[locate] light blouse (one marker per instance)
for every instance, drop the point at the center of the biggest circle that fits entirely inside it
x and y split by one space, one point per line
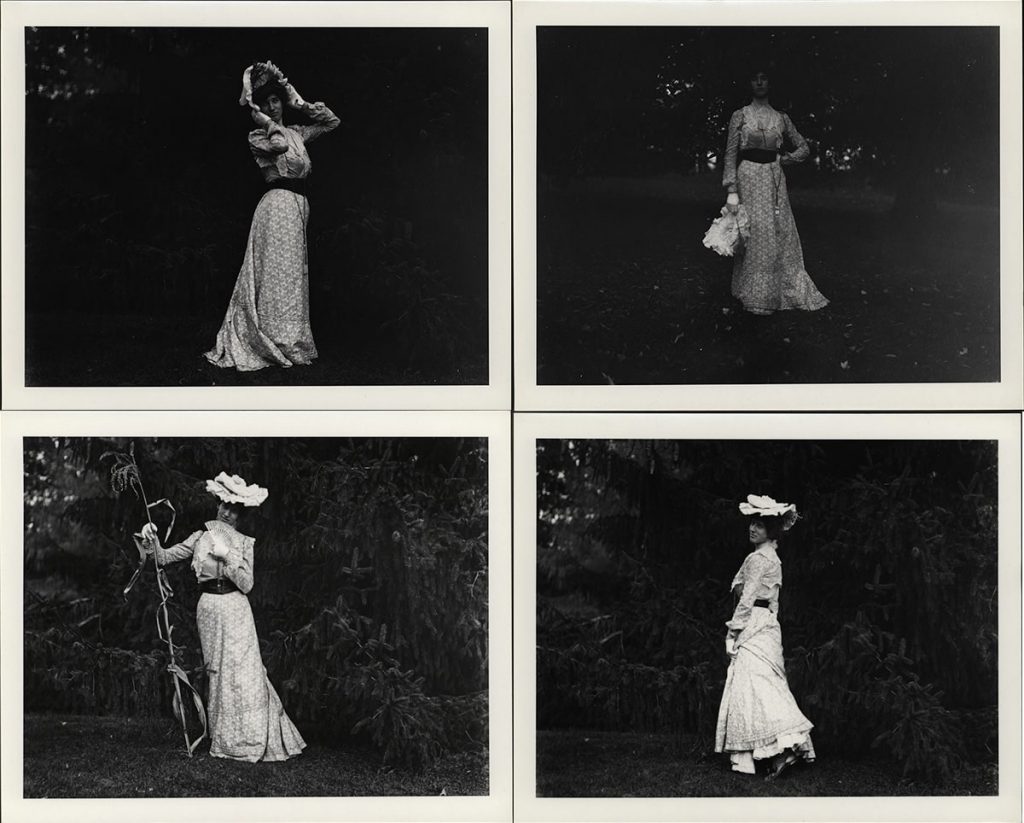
280 151
759 578
753 127
236 567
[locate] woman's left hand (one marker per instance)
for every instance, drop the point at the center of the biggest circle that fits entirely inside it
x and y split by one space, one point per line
294 98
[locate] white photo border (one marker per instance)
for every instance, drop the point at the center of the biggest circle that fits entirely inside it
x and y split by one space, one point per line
1008 394
492 425
1006 428
492 14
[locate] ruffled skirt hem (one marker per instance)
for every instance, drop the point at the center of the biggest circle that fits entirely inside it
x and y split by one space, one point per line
799 743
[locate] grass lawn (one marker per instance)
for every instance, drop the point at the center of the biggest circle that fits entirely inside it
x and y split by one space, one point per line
627 294
79 756
581 763
97 350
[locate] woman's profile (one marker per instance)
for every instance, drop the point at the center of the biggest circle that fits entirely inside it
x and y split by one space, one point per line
758 718
769 274
267 320
245 715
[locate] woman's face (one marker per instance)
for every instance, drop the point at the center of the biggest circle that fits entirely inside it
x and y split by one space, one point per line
759 85
757 532
273 107
227 514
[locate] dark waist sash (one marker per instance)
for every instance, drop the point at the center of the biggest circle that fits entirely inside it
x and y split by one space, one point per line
764 604
759 155
289 184
220 585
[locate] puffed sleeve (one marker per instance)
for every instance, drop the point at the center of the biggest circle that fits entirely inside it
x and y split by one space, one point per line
732 150
238 566
324 120
801 150
179 551
268 142
754 567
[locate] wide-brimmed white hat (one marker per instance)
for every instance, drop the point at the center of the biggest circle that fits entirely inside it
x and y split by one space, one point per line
233 489
260 74
760 505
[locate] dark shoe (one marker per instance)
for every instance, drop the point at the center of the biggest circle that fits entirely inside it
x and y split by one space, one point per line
780 765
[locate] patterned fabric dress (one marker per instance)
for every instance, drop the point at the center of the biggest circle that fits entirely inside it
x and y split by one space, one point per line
769 274
267 321
758 717
246 718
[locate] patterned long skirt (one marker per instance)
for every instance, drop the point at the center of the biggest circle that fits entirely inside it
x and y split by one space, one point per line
245 715
769 274
758 717
267 321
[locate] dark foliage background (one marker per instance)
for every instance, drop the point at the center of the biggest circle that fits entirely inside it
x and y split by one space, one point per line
140 188
371 583
889 605
616 100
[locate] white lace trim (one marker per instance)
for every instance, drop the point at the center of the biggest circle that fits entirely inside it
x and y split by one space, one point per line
800 743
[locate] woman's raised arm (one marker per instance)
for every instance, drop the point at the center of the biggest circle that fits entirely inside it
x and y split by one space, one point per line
324 120
179 551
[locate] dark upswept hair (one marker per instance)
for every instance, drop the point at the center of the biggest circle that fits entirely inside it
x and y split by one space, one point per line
260 95
238 508
749 69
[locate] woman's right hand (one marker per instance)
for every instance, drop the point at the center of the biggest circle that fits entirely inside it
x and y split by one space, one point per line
261 119
732 202
150 541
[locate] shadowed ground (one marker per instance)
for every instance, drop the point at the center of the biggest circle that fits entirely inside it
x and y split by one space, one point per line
628 295
581 763
84 350
78 756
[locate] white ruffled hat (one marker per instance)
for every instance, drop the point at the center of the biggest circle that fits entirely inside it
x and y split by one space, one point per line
760 505
233 489
258 75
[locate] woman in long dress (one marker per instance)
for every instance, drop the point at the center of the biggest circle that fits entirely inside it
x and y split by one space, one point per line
246 719
267 321
769 274
759 718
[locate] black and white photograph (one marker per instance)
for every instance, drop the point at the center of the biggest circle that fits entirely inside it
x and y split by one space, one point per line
259 616
766 205
772 617
196 605
261 205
